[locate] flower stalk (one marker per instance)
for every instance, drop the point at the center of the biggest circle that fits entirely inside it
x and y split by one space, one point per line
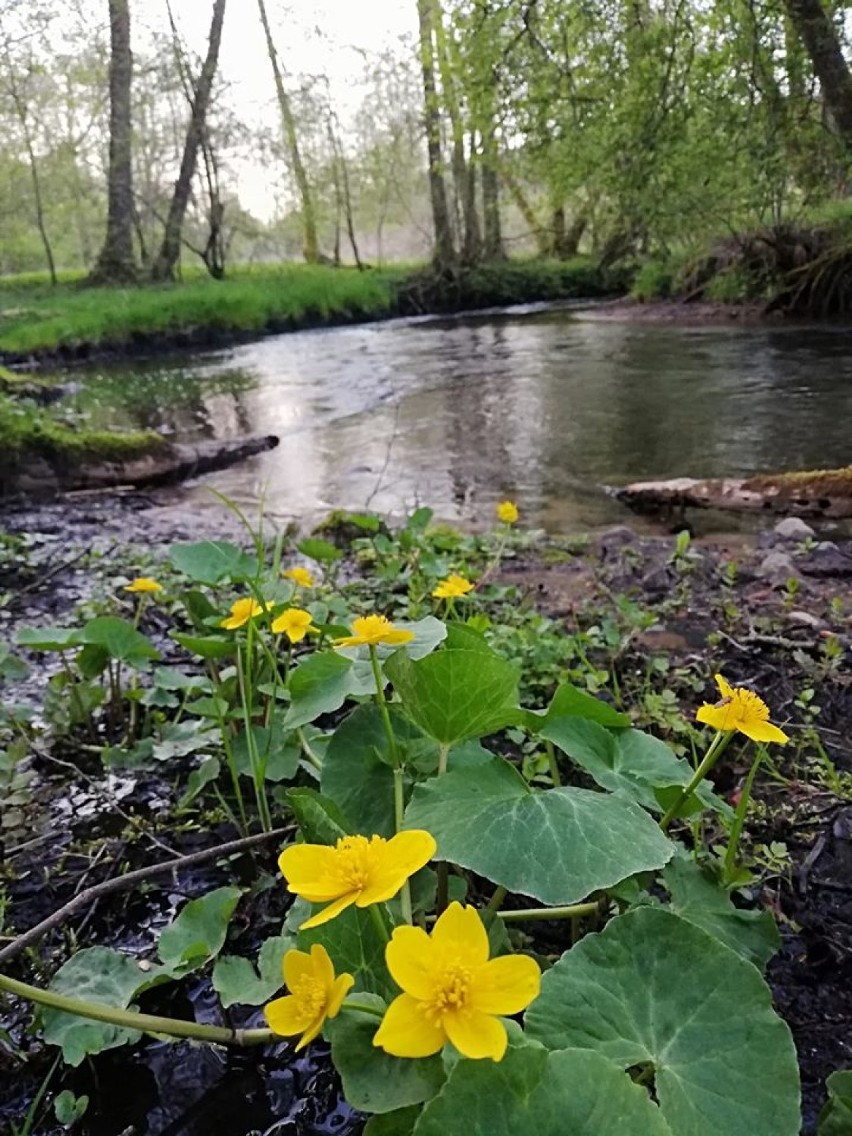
715 751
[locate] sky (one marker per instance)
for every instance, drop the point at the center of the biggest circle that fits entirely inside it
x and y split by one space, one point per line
311 38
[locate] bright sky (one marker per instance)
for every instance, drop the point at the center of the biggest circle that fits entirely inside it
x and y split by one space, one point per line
312 38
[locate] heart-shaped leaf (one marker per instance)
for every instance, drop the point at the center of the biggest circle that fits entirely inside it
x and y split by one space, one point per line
210 561
558 846
198 933
656 991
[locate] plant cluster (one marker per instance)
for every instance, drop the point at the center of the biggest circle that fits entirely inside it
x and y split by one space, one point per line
426 859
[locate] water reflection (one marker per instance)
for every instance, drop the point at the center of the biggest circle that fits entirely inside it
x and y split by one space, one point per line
544 406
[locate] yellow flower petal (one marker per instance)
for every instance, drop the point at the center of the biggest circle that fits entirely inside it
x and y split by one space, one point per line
288 1015
300 576
143 584
460 933
408 956
296 966
764 732
340 988
403 855
743 710
397 637
716 716
312 870
407 1032
506 985
507 512
294 623
329 912
725 688
311 1032
476 1035
323 967
371 630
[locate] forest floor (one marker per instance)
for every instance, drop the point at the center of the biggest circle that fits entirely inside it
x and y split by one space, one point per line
658 617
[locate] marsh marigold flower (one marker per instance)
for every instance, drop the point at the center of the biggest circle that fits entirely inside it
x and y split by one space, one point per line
143 584
507 512
315 995
451 990
294 623
370 630
241 612
300 576
357 870
452 587
742 710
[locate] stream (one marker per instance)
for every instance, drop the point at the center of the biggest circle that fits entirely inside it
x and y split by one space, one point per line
542 404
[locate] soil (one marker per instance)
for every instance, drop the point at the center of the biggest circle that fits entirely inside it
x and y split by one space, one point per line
87 826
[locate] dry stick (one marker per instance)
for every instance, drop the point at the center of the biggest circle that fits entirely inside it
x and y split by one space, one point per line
119 883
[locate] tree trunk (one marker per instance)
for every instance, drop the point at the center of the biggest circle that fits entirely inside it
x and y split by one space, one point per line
167 258
464 176
116 264
491 198
444 253
309 217
542 236
817 32
38 201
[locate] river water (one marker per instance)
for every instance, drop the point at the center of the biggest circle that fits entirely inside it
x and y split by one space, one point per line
546 406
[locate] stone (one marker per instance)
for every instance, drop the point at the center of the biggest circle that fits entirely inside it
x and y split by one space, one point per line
805 619
793 529
776 566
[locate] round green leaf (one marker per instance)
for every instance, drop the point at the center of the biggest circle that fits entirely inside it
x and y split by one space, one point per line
209 561
572 1093
121 639
558 846
653 988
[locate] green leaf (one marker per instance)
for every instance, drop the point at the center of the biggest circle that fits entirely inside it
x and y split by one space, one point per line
69 1108
322 683
558 846
319 818
237 982
571 701
121 639
210 561
653 988
699 899
399 1123
92 660
323 551
429 633
96 974
572 1093
206 646
276 753
49 638
629 760
354 943
356 772
455 694
199 608
205 774
177 739
198 933
373 1081
836 1118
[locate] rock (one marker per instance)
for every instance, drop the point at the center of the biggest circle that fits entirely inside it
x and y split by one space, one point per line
827 560
777 566
658 581
793 529
613 540
805 619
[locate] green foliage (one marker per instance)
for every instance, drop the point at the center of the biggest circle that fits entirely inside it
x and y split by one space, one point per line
654 280
836 1118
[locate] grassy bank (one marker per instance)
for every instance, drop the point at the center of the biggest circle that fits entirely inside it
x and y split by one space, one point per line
70 321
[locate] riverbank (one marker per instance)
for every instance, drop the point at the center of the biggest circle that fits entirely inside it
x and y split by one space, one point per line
40 324
643 620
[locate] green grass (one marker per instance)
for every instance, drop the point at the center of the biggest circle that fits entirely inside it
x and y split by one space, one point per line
37 319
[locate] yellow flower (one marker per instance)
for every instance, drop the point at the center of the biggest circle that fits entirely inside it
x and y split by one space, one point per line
242 611
740 709
315 995
356 870
294 623
507 512
452 992
300 576
370 630
143 584
452 587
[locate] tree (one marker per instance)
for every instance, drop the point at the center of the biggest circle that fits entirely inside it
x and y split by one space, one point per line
444 253
309 218
817 32
167 258
116 264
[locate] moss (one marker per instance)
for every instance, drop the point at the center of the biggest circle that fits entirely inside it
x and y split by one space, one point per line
808 483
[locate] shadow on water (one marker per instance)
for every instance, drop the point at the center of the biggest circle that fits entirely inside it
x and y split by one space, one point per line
543 405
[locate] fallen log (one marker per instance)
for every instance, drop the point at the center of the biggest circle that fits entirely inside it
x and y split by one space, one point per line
46 474
824 493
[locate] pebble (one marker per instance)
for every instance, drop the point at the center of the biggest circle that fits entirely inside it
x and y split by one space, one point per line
776 566
793 529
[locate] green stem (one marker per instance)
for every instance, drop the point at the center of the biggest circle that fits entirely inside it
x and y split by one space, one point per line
379 922
147 1023
717 747
740 816
531 914
553 763
382 704
398 785
442 895
496 901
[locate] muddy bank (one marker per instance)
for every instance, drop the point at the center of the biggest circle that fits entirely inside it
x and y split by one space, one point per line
662 617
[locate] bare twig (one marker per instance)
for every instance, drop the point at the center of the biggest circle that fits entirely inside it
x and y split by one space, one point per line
120 883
